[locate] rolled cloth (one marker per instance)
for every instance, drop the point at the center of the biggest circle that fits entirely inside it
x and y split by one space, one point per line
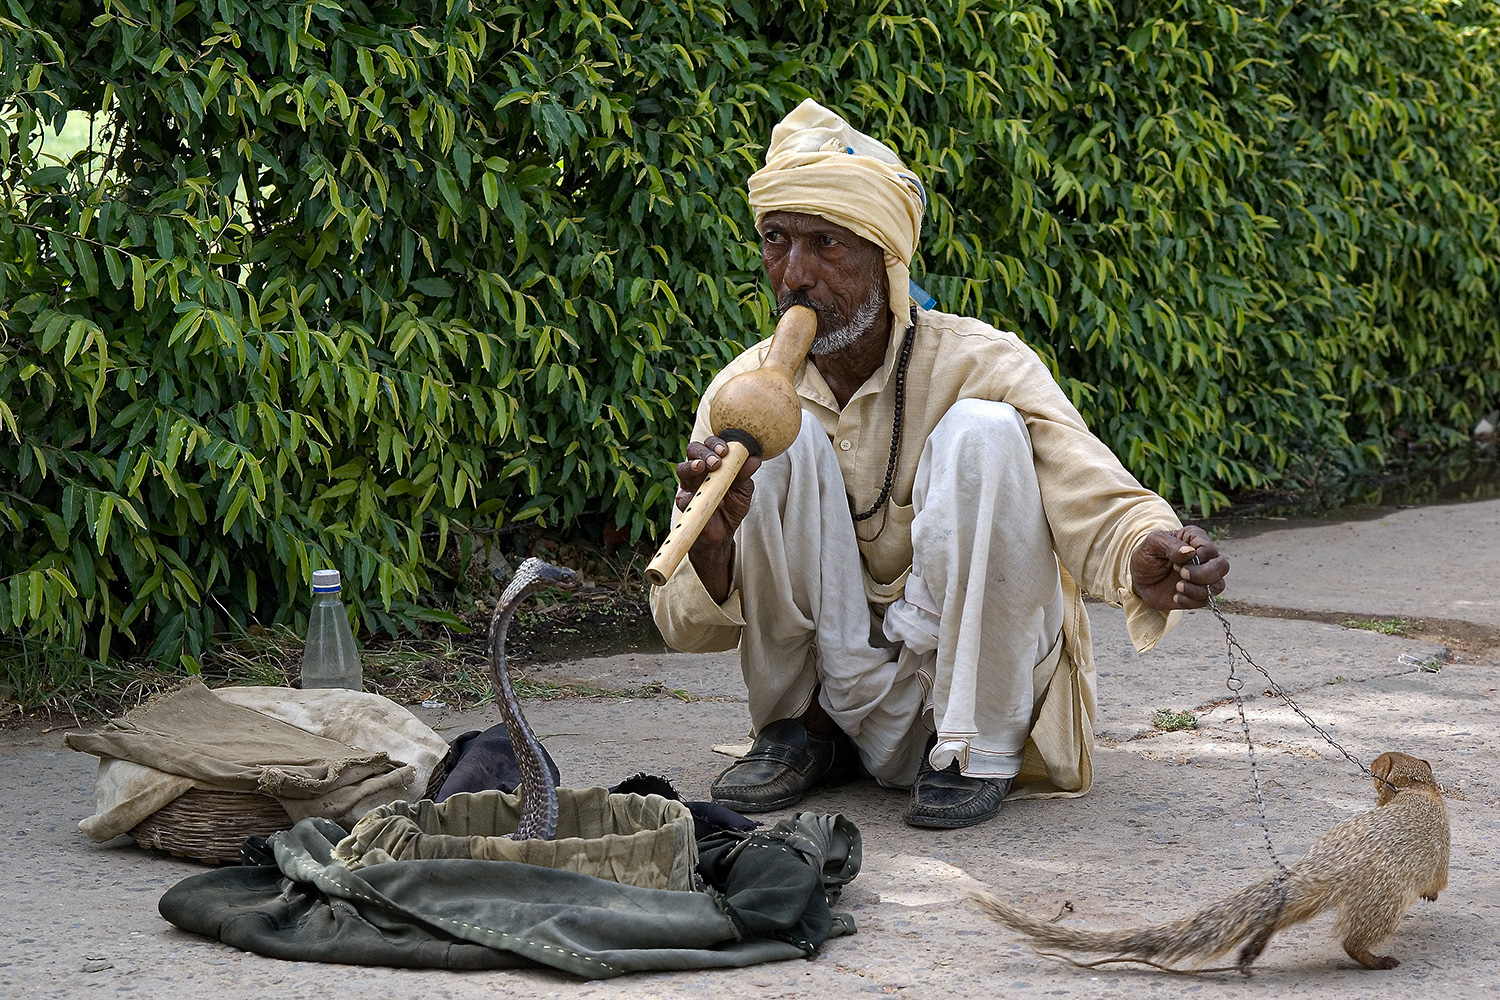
818 164
329 753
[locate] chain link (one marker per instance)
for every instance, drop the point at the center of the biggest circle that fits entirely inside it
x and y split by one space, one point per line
1278 691
1236 686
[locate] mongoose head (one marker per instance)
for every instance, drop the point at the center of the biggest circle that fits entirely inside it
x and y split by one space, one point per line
1394 771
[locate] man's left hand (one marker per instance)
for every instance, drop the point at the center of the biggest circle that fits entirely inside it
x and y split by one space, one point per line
1165 573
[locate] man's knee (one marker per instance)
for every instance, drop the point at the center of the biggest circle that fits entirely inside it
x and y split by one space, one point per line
981 427
978 466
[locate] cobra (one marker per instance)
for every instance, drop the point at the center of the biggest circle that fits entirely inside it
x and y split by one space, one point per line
538 791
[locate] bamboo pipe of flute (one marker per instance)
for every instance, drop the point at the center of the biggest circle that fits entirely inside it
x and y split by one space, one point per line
757 413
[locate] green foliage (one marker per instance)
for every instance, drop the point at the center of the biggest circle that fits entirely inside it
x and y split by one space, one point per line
1169 721
1385 626
1249 237
333 282
350 283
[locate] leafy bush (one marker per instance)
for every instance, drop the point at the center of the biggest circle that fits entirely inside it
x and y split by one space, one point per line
330 282
362 283
1248 239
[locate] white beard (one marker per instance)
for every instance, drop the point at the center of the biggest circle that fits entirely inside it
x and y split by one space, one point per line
859 324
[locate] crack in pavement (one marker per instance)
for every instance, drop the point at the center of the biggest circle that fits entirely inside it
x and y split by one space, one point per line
1471 640
1269 695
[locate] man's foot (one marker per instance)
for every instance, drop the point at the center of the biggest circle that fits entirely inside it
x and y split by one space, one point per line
783 764
949 799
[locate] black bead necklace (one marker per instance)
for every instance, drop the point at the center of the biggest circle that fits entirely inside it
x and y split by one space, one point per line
890 468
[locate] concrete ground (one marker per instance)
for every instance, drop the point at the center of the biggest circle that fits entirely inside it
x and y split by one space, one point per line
1169 826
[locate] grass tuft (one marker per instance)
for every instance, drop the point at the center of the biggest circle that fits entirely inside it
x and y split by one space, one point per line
1385 626
1169 721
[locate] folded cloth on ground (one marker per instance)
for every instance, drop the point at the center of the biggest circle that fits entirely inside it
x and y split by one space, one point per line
644 840
768 901
354 718
253 740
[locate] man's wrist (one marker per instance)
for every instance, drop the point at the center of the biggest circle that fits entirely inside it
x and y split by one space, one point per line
714 564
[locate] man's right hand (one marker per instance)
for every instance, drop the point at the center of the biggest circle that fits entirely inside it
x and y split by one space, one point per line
713 553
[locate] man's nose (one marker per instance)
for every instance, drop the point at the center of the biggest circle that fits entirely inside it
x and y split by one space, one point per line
801 272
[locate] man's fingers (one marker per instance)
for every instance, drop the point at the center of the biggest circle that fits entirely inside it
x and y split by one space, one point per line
701 460
703 457
1193 535
1192 544
1161 548
1192 595
714 450
689 474
1205 573
1182 555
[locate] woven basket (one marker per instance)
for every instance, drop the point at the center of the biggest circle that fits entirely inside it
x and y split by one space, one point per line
210 826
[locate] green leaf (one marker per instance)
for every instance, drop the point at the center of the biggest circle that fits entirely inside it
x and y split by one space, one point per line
510 203
138 282
102 523
115 265
47 177
435 287
88 270
165 245
83 569
449 188
77 331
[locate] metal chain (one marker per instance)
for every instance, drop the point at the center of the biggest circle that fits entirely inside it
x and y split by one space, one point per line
1278 691
1236 686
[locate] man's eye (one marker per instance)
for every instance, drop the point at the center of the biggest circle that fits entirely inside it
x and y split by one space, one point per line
770 236
827 241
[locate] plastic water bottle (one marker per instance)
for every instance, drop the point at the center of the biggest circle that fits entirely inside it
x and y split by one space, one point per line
330 659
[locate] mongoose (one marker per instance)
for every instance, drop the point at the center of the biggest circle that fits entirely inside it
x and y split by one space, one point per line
1371 867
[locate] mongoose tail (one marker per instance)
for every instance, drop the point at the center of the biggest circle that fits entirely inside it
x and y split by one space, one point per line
1371 867
1236 920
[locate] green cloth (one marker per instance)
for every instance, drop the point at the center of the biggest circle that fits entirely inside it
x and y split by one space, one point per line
643 840
765 899
192 733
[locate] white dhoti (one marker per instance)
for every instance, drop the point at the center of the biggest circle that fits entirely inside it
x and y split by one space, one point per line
974 640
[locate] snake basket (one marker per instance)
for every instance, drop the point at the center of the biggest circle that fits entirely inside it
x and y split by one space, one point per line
641 840
210 826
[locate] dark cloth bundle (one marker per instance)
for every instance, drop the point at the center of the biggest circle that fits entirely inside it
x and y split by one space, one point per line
767 898
479 760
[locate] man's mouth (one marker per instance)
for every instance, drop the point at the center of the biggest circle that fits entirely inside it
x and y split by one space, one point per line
828 316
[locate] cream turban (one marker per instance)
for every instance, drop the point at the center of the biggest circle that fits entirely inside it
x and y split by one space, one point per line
818 164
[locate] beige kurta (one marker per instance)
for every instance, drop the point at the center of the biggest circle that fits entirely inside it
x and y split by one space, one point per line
1098 513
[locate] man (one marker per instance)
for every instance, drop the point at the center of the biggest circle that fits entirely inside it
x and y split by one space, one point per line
905 582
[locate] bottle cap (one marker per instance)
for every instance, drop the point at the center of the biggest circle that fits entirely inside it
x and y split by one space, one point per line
326 581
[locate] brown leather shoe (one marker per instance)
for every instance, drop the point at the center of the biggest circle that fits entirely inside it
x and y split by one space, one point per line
783 764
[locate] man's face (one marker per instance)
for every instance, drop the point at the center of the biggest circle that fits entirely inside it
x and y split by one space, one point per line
817 263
